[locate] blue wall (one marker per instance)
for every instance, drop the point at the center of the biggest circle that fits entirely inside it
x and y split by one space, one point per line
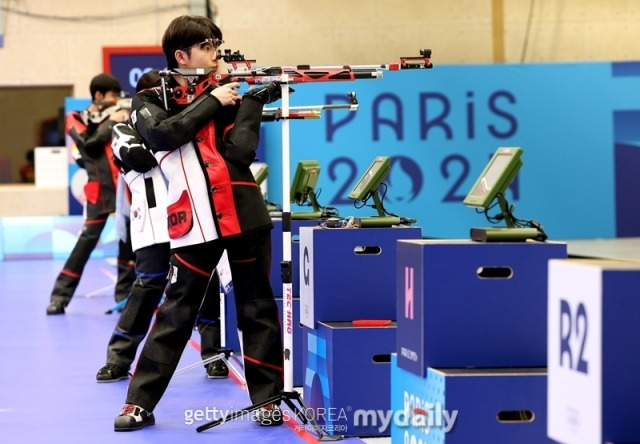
578 124
50 237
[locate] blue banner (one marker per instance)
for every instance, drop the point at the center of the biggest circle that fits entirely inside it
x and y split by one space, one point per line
440 127
77 175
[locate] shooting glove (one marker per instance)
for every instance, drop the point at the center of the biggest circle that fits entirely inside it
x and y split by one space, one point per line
266 94
128 147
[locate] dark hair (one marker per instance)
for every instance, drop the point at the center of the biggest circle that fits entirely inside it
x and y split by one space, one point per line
185 31
148 80
104 83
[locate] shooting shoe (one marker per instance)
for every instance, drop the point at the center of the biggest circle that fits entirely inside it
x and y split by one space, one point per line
56 307
217 370
133 417
269 415
111 373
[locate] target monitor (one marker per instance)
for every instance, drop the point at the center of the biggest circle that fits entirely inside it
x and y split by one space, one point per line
371 180
495 178
304 181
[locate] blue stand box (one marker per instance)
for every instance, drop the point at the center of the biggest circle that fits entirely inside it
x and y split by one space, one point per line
276 255
348 274
471 304
463 406
347 377
233 342
594 351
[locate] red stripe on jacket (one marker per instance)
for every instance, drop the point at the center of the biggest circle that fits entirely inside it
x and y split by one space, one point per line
220 181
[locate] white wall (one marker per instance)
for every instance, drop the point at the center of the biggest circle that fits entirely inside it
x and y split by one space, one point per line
60 42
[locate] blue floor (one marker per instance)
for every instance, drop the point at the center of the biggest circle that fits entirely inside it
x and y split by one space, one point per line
48 391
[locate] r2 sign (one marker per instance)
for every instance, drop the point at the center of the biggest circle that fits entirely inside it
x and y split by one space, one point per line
573 336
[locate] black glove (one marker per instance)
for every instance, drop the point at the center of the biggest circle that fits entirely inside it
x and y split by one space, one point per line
128 147
266 94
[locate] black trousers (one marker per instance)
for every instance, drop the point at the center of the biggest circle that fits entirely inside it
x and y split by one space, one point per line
69 277
152 268
256 310
126 266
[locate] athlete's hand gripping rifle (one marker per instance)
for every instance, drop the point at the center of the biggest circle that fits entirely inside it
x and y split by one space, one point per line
243 70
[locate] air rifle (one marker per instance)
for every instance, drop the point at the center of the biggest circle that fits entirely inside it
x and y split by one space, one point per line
105 109
244 70
307 73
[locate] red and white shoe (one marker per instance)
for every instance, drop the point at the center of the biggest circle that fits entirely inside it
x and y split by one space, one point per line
133 417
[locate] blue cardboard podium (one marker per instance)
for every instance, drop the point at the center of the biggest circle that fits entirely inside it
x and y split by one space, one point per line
594 351
462 406
470 304
348 273
347 377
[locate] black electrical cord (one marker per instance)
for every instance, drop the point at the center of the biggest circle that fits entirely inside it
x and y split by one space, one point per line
403 220
521 223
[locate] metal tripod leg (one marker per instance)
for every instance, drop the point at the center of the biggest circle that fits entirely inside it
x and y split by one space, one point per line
222 356
301 411
119 306
225 353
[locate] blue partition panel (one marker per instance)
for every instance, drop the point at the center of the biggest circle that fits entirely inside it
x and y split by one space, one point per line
442 125
51 237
